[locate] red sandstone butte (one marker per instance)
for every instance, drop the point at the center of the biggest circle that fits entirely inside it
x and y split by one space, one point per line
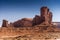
44 18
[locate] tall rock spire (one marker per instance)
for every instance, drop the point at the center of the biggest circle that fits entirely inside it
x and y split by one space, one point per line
46 15
5 23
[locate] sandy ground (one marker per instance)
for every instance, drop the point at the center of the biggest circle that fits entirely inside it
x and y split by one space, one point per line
38 36
30 33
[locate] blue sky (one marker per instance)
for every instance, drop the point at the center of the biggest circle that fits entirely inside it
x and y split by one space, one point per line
13 10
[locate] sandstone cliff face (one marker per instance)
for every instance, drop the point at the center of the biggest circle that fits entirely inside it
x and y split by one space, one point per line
45 18
25 22
50 17
36 20
5 23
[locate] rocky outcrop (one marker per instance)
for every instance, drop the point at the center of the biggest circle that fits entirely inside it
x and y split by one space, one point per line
45 19
50 17
38 28
36 20
47 15
25 22
5 23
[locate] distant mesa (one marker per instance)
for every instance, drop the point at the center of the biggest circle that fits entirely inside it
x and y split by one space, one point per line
45 18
